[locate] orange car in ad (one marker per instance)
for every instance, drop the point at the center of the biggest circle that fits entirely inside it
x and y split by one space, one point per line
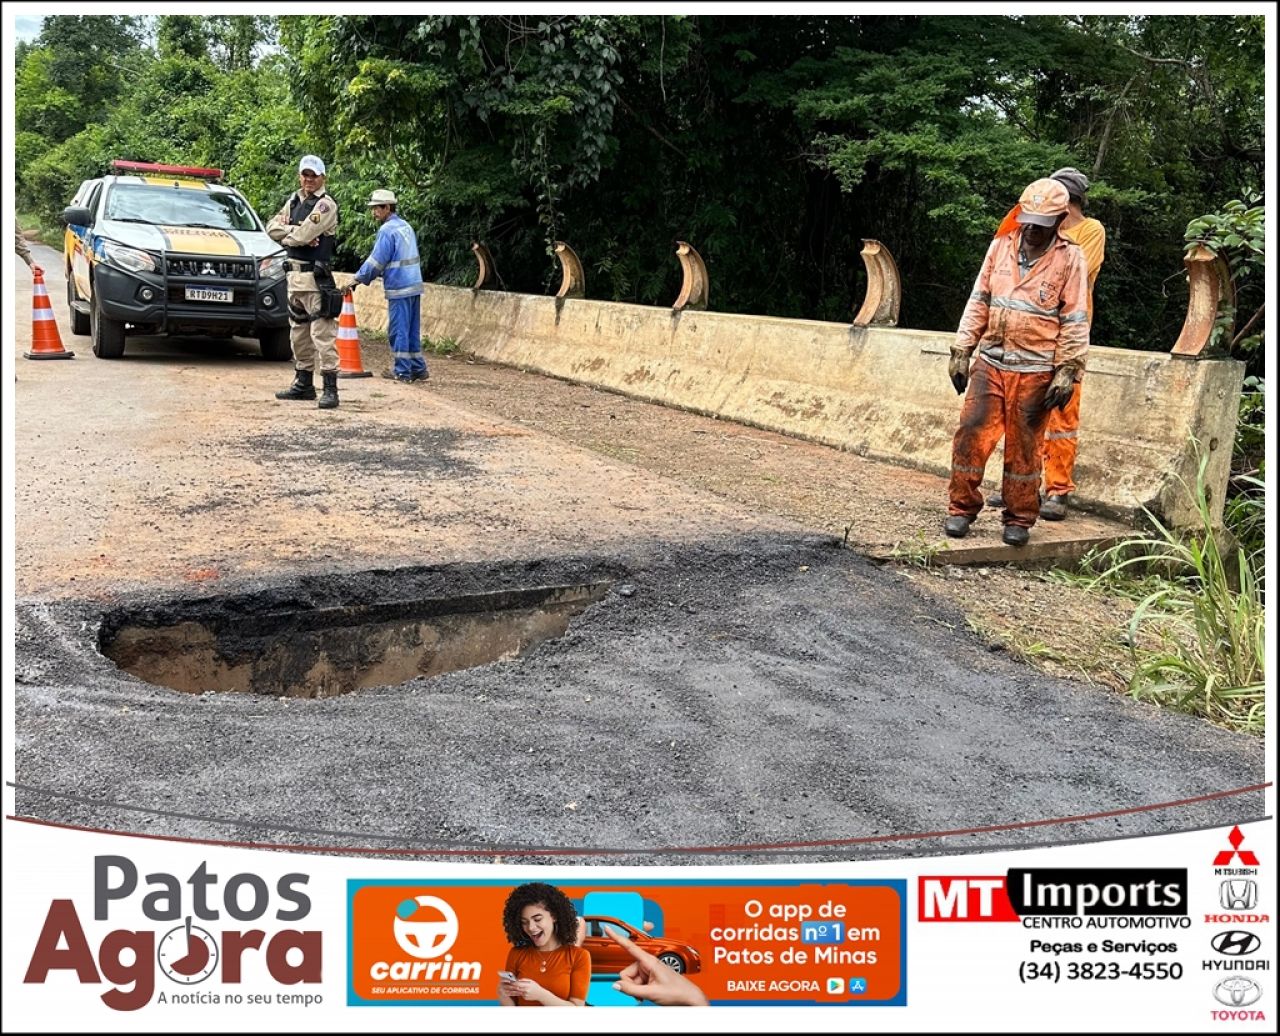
608 958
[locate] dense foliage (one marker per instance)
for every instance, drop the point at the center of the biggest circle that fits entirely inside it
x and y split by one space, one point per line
774 144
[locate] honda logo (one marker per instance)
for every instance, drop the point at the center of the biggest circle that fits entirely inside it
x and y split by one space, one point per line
1236 943
1238 894
1237 992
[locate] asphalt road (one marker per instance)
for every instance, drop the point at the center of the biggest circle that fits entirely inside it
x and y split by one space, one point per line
744 691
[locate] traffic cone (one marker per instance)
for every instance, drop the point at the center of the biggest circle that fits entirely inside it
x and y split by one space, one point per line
350 365
46 343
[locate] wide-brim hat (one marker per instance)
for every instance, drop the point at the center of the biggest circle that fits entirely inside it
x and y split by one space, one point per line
381 197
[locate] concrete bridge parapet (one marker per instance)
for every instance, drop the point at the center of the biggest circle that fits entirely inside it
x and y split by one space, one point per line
881 392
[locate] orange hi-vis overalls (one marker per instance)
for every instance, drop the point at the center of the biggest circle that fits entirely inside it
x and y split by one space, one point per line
1062 432
1024 326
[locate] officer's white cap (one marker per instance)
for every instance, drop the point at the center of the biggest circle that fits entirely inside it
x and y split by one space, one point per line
316 165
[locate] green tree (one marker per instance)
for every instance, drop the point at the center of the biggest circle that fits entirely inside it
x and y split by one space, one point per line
237 40
91 57
182 35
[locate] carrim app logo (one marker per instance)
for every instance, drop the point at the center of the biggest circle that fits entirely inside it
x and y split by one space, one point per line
425 927
432 933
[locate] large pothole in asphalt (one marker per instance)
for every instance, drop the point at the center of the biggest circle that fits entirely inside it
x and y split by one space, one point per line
317 652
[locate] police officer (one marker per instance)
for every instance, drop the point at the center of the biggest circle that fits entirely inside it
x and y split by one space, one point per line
305 226
24 250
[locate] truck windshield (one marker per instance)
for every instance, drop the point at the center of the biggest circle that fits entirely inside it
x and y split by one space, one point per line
179 206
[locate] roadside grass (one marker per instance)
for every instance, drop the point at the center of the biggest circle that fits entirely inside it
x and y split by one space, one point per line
1100 664
1202 601
441 346
45 235
433 346
918 551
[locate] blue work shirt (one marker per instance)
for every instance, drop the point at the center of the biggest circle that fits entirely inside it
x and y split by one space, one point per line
395 259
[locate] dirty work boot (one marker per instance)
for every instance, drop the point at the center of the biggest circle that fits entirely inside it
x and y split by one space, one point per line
329 397
995 500
1016 535
302 388
1054 508
957 526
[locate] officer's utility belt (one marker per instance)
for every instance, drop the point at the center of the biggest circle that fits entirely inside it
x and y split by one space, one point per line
330 294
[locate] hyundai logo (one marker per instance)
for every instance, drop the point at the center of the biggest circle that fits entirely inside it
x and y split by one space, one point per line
1236 944
1238 894
1237 992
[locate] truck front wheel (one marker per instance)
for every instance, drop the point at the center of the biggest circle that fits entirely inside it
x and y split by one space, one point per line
106 334
274 342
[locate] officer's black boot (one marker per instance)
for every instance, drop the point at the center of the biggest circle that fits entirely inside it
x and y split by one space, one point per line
303 387
329 397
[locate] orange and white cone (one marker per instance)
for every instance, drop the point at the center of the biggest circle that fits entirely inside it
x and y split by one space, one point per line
46 343
350 365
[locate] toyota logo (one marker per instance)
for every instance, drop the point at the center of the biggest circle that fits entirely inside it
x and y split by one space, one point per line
1236 944
1237 992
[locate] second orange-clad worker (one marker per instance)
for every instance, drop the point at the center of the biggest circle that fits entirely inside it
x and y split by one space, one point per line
1061 434
1027 319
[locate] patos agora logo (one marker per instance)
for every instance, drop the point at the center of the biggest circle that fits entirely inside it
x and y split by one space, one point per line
238 937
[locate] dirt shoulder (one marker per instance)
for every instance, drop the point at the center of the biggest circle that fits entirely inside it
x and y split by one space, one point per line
1062 629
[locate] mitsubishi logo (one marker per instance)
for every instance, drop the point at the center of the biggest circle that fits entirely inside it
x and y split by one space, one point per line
1236 943
207 270
1238 894
1247 858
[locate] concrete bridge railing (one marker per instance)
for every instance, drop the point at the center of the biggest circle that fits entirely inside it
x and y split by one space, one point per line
879 391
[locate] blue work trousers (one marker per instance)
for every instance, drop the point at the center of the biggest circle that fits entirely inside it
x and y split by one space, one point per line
403 325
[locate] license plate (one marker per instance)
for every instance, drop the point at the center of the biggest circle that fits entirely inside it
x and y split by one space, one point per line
195 294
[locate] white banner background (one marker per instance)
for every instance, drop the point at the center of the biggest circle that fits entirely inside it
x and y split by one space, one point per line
962 977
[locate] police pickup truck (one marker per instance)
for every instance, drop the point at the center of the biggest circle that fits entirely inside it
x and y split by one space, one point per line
162 249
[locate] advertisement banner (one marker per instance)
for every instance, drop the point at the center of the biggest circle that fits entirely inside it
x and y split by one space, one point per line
742 942
1171 933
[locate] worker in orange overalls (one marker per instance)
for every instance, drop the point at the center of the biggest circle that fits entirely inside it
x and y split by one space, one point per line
1028 319
1061 434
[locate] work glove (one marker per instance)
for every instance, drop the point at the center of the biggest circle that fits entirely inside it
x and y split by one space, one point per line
1060 388
958 371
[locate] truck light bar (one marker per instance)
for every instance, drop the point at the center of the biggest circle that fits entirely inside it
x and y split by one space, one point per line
153 167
